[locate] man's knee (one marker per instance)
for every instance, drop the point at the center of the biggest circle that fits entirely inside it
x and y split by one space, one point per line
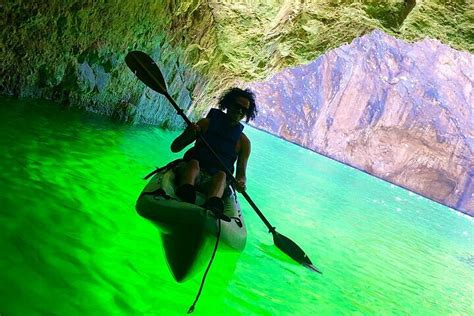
193 164
220 176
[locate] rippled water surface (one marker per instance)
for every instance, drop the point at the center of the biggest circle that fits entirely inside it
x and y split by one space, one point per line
72 243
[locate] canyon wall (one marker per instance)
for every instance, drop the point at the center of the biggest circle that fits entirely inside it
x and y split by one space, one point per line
402 112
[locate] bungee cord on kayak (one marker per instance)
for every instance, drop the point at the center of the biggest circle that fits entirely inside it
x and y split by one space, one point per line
192 307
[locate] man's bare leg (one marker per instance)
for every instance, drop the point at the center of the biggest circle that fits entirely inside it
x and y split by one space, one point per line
214 195
186 190
189 173
217 185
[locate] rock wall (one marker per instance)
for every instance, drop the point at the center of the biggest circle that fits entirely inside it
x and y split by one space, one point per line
402 112
73 52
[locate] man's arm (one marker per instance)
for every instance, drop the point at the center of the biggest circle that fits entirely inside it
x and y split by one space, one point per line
243 157
189 135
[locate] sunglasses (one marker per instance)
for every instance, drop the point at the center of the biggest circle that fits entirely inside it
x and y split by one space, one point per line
240 108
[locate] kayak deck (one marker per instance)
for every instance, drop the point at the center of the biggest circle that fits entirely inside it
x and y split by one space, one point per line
189 231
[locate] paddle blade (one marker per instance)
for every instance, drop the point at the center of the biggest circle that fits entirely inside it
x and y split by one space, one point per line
293 250
146 70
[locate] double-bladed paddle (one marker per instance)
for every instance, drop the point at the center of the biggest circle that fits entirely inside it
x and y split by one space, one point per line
150 74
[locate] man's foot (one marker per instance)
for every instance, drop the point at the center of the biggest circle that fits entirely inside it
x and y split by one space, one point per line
187 193
216 205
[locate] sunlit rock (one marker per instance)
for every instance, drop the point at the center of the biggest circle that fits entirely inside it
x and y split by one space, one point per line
402 112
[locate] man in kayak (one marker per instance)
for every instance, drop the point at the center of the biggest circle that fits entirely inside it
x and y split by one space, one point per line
223 132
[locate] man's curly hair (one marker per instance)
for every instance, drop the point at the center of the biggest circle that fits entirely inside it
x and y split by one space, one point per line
229 97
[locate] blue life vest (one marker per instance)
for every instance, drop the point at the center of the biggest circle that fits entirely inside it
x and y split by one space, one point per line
223 138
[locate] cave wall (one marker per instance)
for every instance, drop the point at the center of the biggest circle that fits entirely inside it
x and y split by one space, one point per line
73 51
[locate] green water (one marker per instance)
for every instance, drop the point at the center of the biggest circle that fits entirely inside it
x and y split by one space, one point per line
72 243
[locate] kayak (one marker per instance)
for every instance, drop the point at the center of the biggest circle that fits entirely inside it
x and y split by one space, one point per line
189 231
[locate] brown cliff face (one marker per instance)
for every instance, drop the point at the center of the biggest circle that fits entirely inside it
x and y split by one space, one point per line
402 112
